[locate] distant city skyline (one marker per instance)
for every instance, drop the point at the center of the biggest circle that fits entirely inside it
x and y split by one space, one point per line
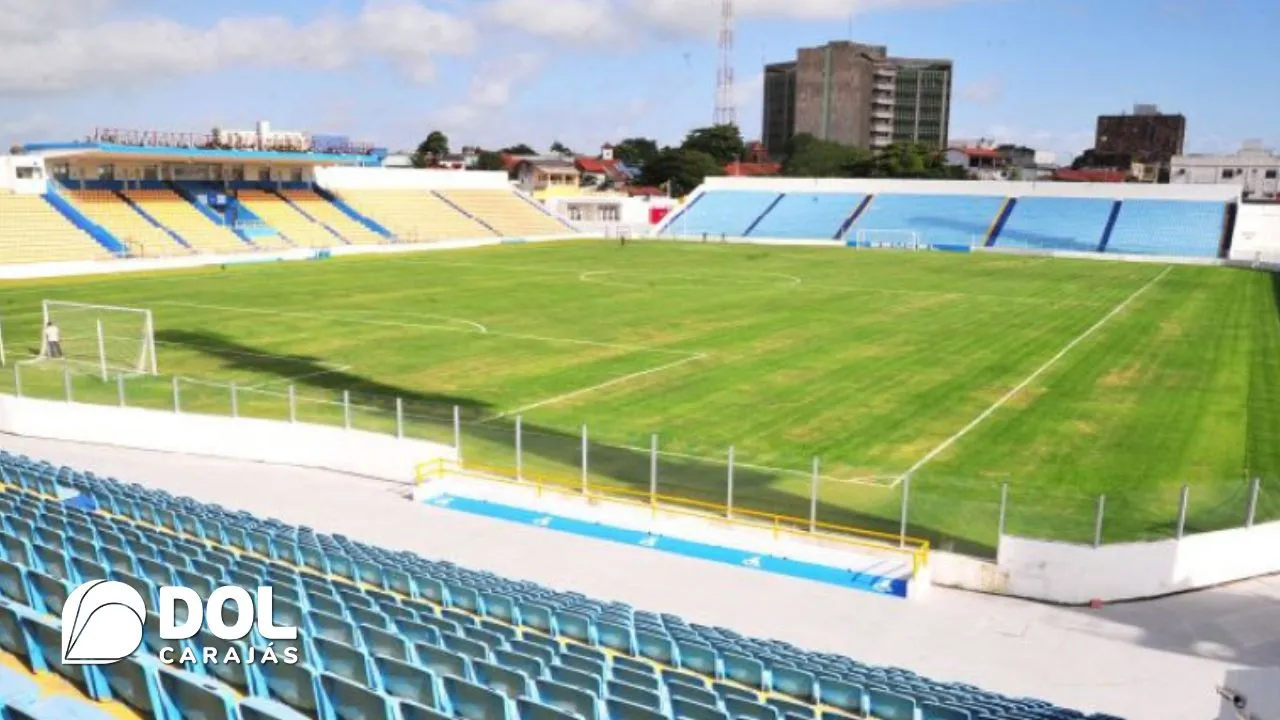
500 72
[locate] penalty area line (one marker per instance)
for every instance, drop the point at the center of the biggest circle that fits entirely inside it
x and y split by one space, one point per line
599 386
942 446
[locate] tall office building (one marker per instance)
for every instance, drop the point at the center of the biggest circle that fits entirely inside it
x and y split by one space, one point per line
858 95
1147 136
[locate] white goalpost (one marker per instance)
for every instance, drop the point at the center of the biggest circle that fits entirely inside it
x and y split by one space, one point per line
104 340
908 239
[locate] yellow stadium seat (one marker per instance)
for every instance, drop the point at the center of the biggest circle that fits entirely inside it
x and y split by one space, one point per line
299 229
323 211
117 217
415 215
175 213
506 212
32 230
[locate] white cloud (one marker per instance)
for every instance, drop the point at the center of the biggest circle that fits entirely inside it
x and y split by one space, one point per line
482 115
983 92
90 53
608 22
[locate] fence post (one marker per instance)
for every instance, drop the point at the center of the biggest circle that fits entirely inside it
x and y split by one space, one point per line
66 380
1183 499
728 501
1253 503
457 431
584 459
906 499
1004 506
1097 523
293 404
17 379
235 401
653 470
346 409
813 498
519 447
177 400
399 417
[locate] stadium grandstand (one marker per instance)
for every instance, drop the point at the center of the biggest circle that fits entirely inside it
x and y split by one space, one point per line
148 194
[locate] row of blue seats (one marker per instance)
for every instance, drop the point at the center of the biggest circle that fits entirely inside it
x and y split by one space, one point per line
1153 227
457 618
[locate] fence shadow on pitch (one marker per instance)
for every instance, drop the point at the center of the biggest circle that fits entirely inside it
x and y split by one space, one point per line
560 452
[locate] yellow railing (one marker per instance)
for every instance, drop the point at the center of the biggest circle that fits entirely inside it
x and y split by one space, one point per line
788 525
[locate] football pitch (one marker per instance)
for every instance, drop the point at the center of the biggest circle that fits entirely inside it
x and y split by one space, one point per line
1060 380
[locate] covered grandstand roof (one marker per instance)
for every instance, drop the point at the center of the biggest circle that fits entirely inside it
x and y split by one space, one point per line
56 149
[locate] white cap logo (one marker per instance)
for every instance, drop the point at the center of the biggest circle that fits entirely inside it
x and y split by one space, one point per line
102 622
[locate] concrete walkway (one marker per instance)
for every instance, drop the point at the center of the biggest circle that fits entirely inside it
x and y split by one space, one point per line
1157 660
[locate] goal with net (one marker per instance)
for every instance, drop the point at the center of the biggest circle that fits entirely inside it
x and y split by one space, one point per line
104 340
909 239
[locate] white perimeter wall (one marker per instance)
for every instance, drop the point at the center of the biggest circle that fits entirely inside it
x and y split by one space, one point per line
358 178
1215 193
283 443
1257 235
1066 573
9 165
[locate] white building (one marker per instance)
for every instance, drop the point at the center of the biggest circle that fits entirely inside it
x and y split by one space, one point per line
1254 168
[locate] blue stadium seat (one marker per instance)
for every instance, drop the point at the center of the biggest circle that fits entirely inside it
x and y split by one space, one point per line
1168 227
507 681
937 219
407 682
720 212
261 709
187 695
469 701
1056 223
346 700
815 216
294 685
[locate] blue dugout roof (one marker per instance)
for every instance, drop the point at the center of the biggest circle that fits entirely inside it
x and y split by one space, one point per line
180 153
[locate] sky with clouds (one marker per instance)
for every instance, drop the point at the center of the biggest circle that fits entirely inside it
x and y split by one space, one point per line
498 72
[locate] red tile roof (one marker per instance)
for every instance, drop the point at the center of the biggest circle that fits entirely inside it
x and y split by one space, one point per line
598 166
646 191
980 152
752 169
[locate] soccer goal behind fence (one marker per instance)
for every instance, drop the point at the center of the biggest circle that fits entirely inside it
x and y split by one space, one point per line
906 239
104 340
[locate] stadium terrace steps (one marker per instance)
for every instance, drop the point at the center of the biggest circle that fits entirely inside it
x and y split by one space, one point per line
177 214
361 219
140 235
391 635
509 214
961 220
312 204
564 223
296 227
813 216
1057 223
415 215
33 230
1168 227
721 212
104 238
455 206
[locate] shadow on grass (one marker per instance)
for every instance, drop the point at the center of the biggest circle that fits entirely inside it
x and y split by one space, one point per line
492 442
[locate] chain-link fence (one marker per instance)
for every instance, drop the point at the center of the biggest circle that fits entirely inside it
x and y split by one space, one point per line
960 514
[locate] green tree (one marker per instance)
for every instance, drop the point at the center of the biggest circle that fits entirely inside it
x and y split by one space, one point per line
807 156
559 148
682 169
430 150
722 142
520 149
636 151
488 160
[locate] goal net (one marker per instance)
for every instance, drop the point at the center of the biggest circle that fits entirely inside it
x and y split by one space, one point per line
888 238
101 339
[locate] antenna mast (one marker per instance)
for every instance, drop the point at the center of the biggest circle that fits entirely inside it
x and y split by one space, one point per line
726 113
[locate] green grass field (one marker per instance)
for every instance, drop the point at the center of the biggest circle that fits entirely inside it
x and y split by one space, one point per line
1064 379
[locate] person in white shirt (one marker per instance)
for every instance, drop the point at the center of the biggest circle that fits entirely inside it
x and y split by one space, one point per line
52 340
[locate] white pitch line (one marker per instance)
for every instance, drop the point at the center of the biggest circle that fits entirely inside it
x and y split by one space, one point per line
422 326
942 447
593 388
463 321
588 276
